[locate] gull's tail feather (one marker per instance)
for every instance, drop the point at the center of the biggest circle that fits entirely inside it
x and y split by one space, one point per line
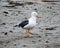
17 25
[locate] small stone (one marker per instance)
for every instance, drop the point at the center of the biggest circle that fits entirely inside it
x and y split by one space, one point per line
25 17
19 11
49 7
47 42
46 35
5 12
29 3
35 9
39 36
33 41
28 36
3 23
49 28
6 33
24 45
11 31
2 32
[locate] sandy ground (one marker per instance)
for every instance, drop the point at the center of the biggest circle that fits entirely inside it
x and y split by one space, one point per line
47 29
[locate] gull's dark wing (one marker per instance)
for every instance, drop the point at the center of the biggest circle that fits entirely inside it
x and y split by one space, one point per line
22 24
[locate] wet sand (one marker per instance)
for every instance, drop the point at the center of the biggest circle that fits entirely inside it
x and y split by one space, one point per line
47 29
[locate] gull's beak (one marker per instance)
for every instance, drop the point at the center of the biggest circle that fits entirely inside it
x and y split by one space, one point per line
38 17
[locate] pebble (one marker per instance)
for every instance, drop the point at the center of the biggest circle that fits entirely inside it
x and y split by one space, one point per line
49 7
3 23
47 42
5 12
49 28
24 45
5 33
11 31
33 41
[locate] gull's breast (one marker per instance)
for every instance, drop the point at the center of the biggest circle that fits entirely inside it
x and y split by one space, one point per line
31 24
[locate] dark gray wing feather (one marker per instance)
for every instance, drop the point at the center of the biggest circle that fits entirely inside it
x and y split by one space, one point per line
22 24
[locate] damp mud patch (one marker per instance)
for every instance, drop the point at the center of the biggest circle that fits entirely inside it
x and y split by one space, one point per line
23 3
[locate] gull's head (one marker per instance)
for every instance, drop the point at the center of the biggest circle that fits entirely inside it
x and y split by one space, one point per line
35 14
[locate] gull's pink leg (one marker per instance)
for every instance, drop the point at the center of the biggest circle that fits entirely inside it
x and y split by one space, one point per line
28 32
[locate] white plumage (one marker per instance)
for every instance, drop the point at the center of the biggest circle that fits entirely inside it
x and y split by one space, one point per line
30 23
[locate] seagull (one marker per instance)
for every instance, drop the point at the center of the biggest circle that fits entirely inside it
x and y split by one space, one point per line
29 23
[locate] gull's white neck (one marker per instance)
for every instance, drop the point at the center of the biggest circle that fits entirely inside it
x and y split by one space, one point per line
32 19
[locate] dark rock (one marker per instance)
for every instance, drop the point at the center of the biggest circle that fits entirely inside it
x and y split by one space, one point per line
10 2
49 28
49 7
15 26
28 36
46 35
22 4
5 33
29 3
5 12
16 4
9 6
54 12
39 40
25 17
19 12
3 23
24 45
6 15
39 37
2 32
47 42
11 31
33 41
35 9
